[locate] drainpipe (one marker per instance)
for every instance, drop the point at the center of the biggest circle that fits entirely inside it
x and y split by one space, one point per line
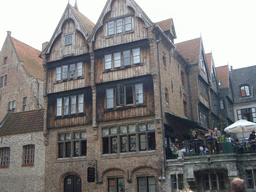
158 40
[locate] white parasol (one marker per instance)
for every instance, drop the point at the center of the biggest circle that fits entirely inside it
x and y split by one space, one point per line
241 126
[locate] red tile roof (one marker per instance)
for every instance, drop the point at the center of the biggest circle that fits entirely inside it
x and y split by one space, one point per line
165 25
190 50
223 76
30 57
23 122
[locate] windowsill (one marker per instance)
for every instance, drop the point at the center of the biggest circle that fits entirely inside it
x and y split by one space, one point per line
70 116
66 80
28 165
129 154
122 68
4 166
80 158
120 108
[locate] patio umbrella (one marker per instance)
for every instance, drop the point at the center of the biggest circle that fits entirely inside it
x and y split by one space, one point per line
241 126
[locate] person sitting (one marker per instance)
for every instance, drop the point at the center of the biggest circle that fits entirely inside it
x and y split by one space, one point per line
244 144
237 146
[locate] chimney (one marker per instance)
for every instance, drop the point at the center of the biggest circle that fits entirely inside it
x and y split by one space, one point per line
44 45
9 33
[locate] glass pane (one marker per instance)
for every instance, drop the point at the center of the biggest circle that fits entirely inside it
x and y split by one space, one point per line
73 105
114 145
136 55
68 149
113 130
76 135
132 141
112 184
151 126
119 26
79 69
142 184
110 98
120 185
64 71
76 149
128 23
108 61
123 129
132 128
151 141
142 127
117 59
58 73
72 71
66 105
68 136
139 93
127 57
83 135
143 142
124 144
129 95
83 148
105 132
61 137
111 28
81 103
61 149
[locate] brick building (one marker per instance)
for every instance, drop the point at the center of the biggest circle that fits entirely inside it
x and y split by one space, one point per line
21 77
22 152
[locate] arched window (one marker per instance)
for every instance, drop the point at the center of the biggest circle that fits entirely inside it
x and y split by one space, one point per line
72 183
245 91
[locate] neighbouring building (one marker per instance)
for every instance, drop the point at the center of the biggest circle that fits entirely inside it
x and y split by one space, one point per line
244 86
21 77
22 152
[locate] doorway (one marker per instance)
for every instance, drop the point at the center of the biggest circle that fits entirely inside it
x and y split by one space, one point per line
72 183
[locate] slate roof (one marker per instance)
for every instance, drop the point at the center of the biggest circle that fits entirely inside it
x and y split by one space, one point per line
165 25
87 23
190 50
23 122
30 57
223 76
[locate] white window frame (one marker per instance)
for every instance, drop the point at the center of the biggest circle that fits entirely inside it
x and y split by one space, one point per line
59 107
108 61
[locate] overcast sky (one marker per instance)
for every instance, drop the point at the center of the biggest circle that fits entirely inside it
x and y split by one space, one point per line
227 27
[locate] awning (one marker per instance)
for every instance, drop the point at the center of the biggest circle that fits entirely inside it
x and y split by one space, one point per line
190 123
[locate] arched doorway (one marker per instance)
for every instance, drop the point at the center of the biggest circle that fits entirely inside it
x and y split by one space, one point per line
72 183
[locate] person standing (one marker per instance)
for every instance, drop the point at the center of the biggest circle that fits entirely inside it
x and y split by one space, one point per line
238 185
216 135
195 142
209 141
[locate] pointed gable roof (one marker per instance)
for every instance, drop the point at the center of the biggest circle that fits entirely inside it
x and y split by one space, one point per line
23 122
82 24
223 76
190 50
130 3
30 58
167 25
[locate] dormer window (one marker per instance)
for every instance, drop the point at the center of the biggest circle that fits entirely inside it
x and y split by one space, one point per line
245 91
68 40
119 25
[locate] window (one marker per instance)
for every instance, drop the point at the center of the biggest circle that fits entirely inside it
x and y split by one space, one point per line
251 178
124 58
72 144
3 81
116 184
203 115
203 89
222 105
166 94
126 95
129 138
119 26
213 181
177 182
25 103
5 60
28 155
69 105
146 184
249 114
70 71
11 106
245 91
4 157
68 40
